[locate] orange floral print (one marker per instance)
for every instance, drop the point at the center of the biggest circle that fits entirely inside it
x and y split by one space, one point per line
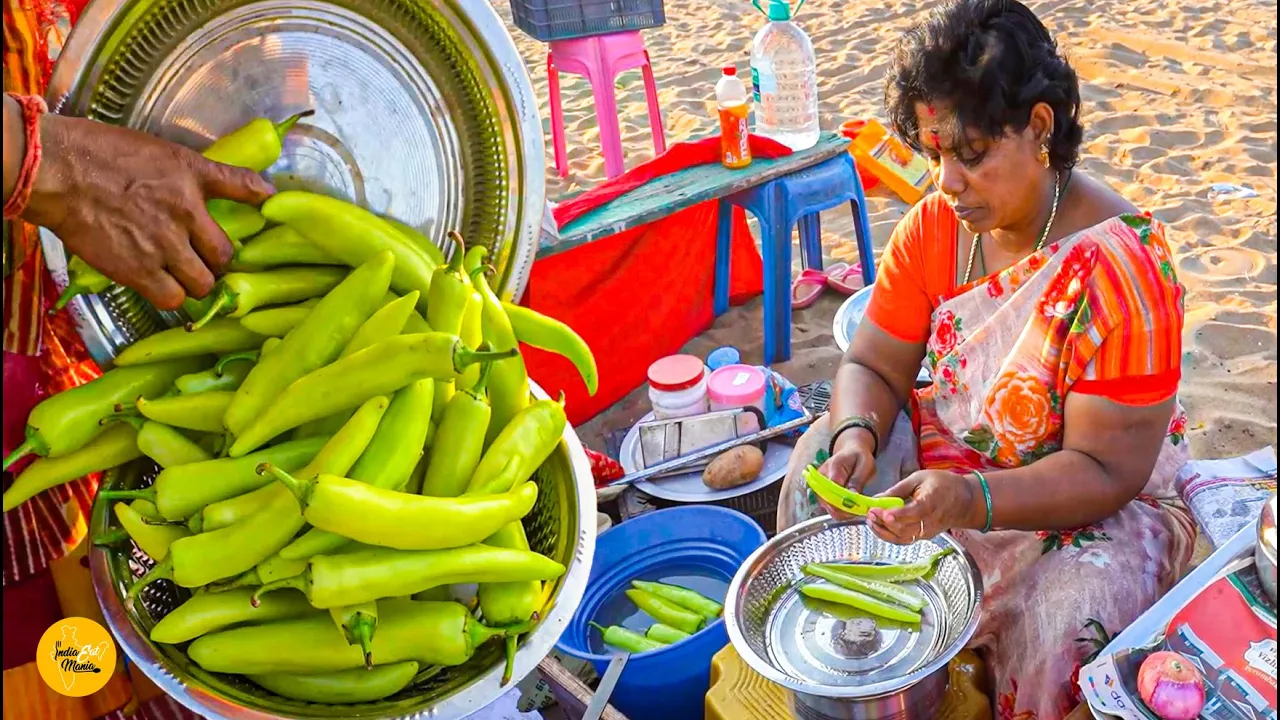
1020 413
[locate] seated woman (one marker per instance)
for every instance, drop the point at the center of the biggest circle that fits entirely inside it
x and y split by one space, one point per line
1046 308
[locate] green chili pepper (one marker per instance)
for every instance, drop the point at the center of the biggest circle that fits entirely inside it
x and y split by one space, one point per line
381 369
180 492
202 411
64 422
508 380
433 633
684 597
624 639
117 445
239 293
890 573
256 145
278 321
842 497
147 510
845 596
665 634
236 220
534 328
509 603
344 687
460 441
154 540
82 279
666 612
423 243
889 592
446 304
353 235
352 578
215 338
394 452
520 449
209 612
393 519
472 333
214 379
313 343
282 245
419 474
337 456
358 624
168 447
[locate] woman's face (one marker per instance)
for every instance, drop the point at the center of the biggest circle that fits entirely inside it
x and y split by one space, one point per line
991 183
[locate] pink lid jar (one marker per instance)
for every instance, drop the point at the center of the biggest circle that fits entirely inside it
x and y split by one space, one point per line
736 386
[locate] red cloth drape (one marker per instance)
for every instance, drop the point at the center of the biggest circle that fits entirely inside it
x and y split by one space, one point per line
643 293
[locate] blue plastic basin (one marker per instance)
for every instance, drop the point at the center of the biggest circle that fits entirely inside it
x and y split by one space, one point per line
697 546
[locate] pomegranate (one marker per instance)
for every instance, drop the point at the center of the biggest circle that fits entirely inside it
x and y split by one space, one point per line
1171 686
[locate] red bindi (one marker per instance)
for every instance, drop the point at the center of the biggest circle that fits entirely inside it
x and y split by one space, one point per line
930 110
937 142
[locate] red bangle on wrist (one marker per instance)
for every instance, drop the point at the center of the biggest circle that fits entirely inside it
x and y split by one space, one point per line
33 106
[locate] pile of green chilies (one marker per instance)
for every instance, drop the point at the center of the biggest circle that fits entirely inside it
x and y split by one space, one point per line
874 589
345 425
678 613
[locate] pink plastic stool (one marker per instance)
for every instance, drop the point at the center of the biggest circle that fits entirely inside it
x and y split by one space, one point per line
601 58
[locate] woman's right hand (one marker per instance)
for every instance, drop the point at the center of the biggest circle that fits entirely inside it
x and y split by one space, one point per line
852 465
133 206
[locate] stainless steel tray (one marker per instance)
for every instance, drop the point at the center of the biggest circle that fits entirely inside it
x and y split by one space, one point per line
424 111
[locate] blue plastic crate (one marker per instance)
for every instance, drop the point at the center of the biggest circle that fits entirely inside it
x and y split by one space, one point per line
548 20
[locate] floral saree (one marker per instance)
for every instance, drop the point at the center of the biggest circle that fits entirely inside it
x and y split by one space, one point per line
1004 352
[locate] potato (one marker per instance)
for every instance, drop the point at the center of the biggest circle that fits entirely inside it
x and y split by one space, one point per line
732 468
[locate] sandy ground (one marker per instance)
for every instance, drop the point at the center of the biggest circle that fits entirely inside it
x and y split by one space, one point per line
1177 96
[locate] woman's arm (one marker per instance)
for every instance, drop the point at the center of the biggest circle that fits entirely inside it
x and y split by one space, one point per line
1108 453
874 380
15 145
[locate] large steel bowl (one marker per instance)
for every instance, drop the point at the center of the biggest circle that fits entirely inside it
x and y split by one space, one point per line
561 526
423 112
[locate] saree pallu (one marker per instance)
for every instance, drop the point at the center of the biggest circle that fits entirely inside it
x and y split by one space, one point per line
45 569
1099 313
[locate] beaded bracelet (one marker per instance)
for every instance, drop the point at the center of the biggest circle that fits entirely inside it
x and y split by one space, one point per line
33 106
986 496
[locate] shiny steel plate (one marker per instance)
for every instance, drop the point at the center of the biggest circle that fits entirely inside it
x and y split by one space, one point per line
424 112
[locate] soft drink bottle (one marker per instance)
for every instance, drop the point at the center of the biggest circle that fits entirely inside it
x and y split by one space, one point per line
731 101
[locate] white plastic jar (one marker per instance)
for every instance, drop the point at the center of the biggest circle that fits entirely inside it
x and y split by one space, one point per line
678 387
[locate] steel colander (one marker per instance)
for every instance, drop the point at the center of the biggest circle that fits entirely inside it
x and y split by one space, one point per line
791 640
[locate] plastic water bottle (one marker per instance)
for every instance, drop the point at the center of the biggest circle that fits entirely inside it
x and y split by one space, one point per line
731 102
784 78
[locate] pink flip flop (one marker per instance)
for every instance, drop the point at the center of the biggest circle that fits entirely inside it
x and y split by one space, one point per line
806 288
844 278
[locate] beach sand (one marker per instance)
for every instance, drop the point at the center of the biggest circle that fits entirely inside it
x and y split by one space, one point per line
1177 96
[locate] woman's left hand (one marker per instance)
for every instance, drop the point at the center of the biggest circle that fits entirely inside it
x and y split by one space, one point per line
937 501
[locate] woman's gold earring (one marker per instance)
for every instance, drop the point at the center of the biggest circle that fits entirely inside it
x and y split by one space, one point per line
1044 154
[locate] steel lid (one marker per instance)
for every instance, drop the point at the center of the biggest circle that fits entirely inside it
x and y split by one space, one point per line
1267 528
423 111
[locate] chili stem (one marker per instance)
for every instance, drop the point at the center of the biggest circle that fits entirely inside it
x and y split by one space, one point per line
251 355
298 582
284 126
32 444
301 489
362 631
221 301
73 289
148 494
161 570
115 537
509 645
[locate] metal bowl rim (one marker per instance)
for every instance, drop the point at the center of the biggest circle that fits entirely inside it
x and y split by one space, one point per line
1268 511
863 692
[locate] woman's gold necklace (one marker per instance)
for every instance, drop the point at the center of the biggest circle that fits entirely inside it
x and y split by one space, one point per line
1053 213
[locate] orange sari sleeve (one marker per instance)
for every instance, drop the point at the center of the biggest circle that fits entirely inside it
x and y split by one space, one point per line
1131 347
916 270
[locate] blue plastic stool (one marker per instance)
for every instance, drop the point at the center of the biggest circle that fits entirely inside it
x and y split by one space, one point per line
779 204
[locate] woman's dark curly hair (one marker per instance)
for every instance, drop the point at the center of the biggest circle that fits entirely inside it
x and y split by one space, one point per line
991 62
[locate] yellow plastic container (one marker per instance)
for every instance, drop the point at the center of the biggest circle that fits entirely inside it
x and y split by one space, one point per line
739 693
878 152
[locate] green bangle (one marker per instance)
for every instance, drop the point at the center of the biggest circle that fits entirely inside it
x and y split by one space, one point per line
986 496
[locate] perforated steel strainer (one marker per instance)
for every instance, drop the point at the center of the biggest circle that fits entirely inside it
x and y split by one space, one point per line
791 639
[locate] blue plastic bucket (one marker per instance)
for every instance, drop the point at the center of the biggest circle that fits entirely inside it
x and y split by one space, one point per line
697 546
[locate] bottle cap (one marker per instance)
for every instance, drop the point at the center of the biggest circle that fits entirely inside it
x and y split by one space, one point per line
723 355
676 372
779 11
730 70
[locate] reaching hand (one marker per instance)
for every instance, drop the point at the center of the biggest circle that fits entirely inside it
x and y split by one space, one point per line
133 206
937 501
